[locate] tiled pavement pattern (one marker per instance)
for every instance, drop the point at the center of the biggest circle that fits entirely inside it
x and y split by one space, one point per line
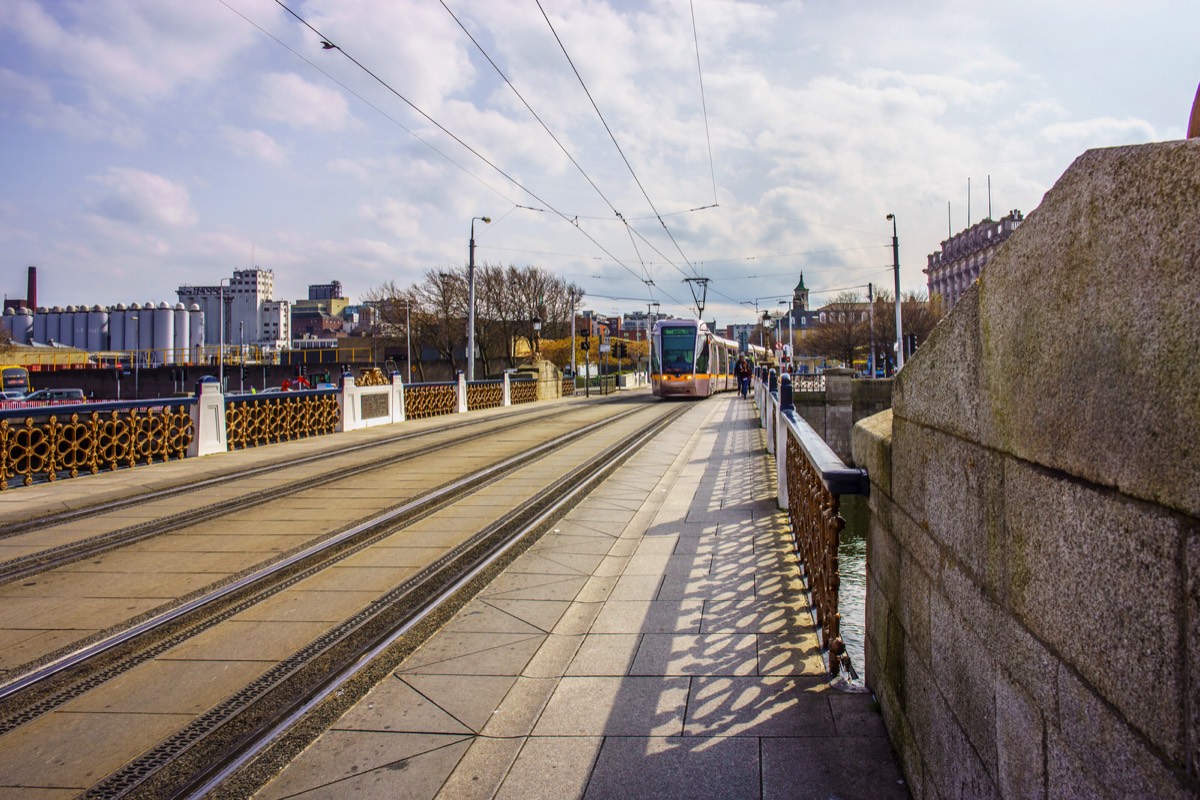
654 645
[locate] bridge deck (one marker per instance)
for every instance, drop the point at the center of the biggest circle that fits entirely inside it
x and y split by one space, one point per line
655 644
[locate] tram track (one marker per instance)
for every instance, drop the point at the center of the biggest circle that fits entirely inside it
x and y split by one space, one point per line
21 526
210 606
251 717
30 564
197 760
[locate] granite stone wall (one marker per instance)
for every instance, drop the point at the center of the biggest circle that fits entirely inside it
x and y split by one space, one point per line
1033 621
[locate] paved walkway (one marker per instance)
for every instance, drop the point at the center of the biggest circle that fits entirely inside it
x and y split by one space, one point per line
655 645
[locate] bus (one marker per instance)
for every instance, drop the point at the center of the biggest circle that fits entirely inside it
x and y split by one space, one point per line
14 378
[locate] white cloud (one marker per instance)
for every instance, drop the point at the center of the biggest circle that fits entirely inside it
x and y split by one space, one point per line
288 98
1101 132
254 144
135 197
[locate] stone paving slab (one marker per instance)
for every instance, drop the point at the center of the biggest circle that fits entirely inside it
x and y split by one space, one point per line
655 644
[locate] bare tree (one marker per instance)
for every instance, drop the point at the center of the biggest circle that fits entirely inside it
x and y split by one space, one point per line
843 333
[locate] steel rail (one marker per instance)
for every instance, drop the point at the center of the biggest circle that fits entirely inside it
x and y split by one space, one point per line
425 502
547 507
23 526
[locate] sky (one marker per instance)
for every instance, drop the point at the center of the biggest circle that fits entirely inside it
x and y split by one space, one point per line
623 146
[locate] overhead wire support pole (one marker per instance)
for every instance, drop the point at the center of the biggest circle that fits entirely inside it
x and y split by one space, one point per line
703 298
896 266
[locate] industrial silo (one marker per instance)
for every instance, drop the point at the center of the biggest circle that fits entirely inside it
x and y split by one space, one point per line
39 326
97 329
24 326
196 332
66 326
7 323
81 323
182 333
52 322
164 335
116 327
133 322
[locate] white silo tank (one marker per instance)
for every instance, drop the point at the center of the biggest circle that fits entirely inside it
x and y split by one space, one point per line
53 318
81 321
66 326
116 327
39 325
182 333
8 322
164 334
196 332
133 324
97 329
24 326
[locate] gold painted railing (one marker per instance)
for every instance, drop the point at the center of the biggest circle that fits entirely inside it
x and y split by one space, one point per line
522 391
65 443
568 387
252 422
817 526
430 399
489 394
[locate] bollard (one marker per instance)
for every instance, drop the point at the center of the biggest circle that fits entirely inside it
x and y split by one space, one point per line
772 381
785 393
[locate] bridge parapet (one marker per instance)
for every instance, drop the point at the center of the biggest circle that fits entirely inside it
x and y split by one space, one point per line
1033 607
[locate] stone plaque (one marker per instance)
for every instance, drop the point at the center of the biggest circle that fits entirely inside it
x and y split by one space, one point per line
372 406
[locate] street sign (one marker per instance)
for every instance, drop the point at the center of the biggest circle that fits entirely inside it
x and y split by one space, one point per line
585 346
605 348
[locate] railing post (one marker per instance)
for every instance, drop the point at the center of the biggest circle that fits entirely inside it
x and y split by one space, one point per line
208 420
462 393
782 431
507 390
397 398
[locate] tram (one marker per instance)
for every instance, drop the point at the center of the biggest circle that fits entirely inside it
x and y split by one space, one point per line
688 360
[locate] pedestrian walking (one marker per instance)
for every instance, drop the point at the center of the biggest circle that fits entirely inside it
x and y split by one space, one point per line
742 373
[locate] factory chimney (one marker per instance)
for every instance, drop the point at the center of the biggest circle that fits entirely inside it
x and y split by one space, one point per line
31 290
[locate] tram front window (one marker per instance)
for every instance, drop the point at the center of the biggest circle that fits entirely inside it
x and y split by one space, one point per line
679 348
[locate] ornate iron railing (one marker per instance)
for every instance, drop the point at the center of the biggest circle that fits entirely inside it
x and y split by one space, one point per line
54 442
813 478
430 399
255 420
522 391
485 394
808 383
568 387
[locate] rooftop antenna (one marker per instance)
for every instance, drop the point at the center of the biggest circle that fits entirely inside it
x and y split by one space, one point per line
949 224
968 202
989 196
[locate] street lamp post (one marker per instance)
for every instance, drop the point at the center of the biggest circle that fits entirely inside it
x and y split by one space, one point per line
790 350
896 265
471 300
408 338
871 308
221 334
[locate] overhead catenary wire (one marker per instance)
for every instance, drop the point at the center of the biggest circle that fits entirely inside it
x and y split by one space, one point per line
703 103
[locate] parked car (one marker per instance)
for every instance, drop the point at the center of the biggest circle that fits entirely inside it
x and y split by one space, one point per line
46 395
11 394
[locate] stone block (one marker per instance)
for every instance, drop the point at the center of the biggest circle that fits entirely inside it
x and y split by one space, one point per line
1090 728
1192 647
871 449
1066 778
1113 394
954 770
1020 733
883 560
912 609
940 385
955 489
965 675
1098 582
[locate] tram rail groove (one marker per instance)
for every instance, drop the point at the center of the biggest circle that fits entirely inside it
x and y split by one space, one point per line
210 608
20 526
215 747
53 557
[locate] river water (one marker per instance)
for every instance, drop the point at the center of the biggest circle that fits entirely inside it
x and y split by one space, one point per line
852 595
